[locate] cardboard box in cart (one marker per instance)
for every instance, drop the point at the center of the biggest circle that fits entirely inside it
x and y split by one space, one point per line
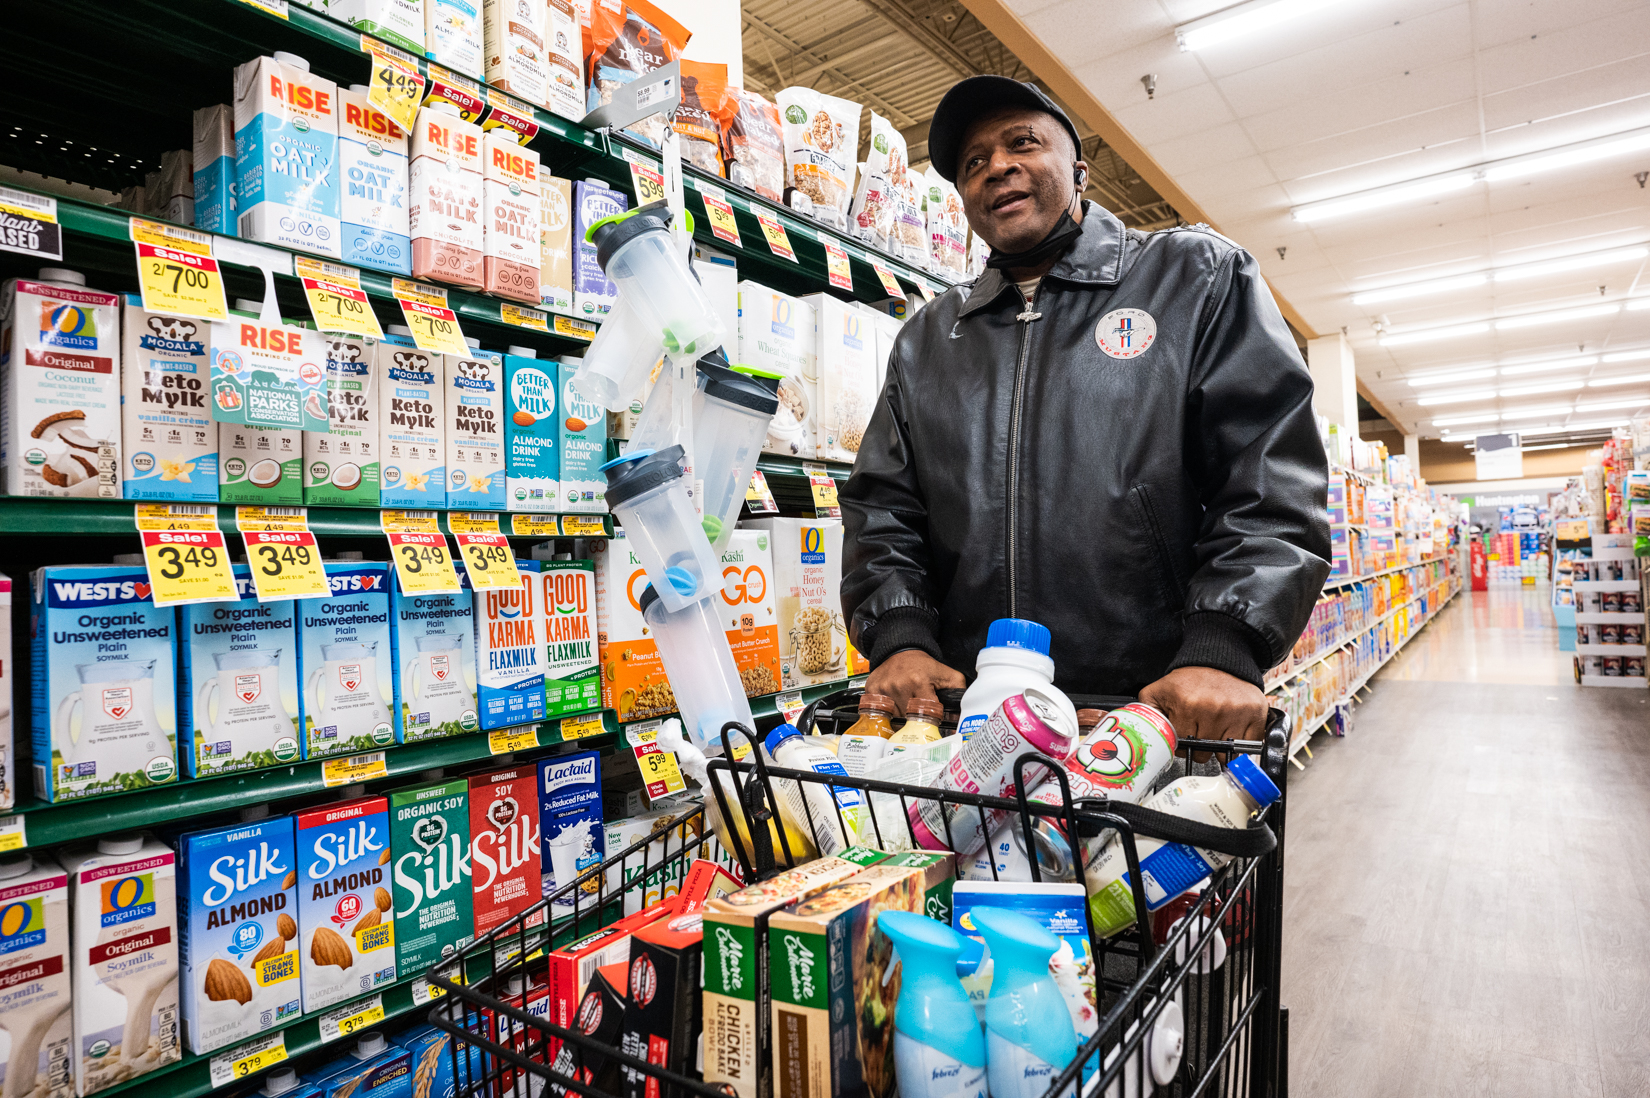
807 583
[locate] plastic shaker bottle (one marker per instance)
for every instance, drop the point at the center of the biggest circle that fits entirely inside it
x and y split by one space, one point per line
702 674
618 360
939 1051
810 806
636 250
1028 1030
648 494
1015 656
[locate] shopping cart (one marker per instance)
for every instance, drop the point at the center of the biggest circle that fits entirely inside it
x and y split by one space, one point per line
1187 999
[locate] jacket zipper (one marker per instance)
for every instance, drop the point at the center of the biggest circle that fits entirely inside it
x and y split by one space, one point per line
1025 317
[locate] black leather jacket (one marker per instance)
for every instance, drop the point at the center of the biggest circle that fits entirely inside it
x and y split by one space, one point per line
1161 509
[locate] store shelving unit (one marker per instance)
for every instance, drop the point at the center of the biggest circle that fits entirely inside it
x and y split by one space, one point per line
1276 680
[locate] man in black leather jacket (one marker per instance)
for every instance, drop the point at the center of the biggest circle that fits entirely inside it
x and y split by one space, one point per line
1107 432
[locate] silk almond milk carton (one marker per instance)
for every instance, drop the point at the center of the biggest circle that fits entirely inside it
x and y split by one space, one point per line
171 439
286 156
344 902
513 210
430 850
506 863
36 1030
445 185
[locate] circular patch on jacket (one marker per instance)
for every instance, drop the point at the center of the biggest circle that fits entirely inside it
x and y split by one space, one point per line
1125 333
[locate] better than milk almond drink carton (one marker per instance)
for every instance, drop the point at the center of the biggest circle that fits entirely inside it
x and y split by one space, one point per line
372 156
103 708
510 651
349 674
286 155
453 37
593 292
344 906
572 672
556 241
505 860
435 663
475 431
36 1029
517 53
445 185
412 420
260 465
238 932
532 438
171 439
59 387
341 464
430 853
583 429
513 210
123 895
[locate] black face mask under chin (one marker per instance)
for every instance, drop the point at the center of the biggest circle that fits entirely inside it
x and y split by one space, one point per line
1055 243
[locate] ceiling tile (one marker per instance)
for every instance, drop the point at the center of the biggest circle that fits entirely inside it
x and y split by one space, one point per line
1169 117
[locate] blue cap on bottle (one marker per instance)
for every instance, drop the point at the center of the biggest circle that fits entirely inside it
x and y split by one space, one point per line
780 735
1253 780
1018 633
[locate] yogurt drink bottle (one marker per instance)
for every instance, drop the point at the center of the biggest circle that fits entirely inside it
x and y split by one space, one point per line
1015 656
829 812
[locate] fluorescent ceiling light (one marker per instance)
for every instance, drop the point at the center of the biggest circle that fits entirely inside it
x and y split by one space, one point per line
1628 356
1418 289
1543 367
1580 153
1544 387
1530 320
1383 196
1628 380
1399 339
1454 421
1551 446
1244 19
1591 425
1568 263
1538 413
1445 379
1456 398
1511 273
1614 405
1638 304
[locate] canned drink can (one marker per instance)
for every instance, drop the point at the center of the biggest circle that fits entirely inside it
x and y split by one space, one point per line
1630 602
1632 634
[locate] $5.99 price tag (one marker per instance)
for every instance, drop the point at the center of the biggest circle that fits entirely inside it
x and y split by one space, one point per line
185 554
722 223
176 271
285 560
336 299
247 1059
434 326
779 241
649 184
889 282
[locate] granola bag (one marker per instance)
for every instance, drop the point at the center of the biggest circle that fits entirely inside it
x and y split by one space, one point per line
707 102
821 147
876 201
947 227
910 241
752 139
628 39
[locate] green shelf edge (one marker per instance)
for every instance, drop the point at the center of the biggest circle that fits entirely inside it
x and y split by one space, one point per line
29 516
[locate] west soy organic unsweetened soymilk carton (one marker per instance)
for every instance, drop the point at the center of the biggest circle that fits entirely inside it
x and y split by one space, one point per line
435 663
532 438
286 156
372 154
36 1030
349 676
475 431
344 903
510 651
572 670
171 439
341 464
430 852
412 416
103 713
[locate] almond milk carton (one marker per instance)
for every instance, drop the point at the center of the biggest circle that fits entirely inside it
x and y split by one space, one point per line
475 432
171 439
341 463
36 1030
345 919
452 35
532 437
286 156
514 209
566 91
372 154
412 420
59 387
556 243
517 61
446 198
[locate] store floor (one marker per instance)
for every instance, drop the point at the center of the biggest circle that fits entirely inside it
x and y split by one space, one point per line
1467 910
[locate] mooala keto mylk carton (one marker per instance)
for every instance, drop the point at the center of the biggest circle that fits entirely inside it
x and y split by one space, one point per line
572 674
435 665
345 920
286 156
532 437
505 855
412 420
36 1029
171 439
341 463
430 853
475 431
349 670
510 651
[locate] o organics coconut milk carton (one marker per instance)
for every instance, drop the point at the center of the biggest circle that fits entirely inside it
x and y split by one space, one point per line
572 673
510 652
238 931
430 850
123 894
475 431
349 671
286 156
341 463
505 861
532 439
344 904
36 1030
435 663
412 417
171 438
103 710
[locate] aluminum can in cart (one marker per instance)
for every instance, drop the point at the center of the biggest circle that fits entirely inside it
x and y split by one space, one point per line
1032 721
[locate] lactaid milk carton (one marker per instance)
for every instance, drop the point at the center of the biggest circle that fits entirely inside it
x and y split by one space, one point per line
412 420
372 157
398 22
8 686
505 859
532 436
242 709
59 387
446 195
123 898
452 35
566 91
171 439
593 292
430 853
516 51
36 1030
776 333
435 664
572 671
260 465
214 166
238 932
268 375
556 241
583 428
510 651
807 587
570 822
475 431
341 464
103 711
344 906
349 671
286 156
748 612
513 210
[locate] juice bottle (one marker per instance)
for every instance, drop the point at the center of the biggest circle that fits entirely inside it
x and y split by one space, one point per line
876 712
859 748
922 722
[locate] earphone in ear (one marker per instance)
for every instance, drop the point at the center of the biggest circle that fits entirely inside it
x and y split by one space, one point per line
1080 177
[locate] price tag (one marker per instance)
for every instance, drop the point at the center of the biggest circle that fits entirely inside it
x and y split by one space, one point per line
188 566
790 705
28 224
336 300
434 326
889 282
582 526
354 769
424 992
1571 530
504 113
397 85
647 182
923 289
489 561
574 328
836 266
757 496
285 560
446 86
419 551
13 834
347 1019
661 775
176 271
534 526
722 223
277 8
175 516
779 242
578 728
506 741
247 1059
522 317
824 492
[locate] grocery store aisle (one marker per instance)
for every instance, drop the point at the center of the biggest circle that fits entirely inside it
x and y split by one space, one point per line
1465 910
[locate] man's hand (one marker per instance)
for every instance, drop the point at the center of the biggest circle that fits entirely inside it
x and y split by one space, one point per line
1206 704
912 674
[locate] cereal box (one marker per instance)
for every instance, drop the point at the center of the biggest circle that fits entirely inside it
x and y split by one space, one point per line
35 973
567 598
430 847
344 902
435 664
510 651
807 585
505 858
349 670
776 333
845 350
171 439
633 675
748 609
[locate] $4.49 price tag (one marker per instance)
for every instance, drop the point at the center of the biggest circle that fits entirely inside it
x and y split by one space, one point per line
434 326
247 1059
351 1017
397 85
336 299
176 271
836 266
758 497
285 560
486 553
185 553
419 551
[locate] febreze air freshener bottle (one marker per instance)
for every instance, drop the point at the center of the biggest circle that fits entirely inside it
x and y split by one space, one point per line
286 155
939 1051
372 152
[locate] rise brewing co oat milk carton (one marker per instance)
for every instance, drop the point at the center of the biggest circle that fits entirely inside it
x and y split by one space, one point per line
445 188
214 166
103 710
505 861
123 895
349 677
435 665
510 652
341 464
286 156
238 932
344 917
532 437
412 418
171 439
372 154
572 673
513 210
36 1030
475 431
430 853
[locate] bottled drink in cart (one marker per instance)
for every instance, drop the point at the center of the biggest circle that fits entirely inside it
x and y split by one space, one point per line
922 723
811 806
1015 656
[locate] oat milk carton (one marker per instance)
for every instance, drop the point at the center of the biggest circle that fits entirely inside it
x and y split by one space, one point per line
435 663
845 351
516 51
510 652
593 292
566 46
776 333
532 437
341 463
372 154
446 198
214 165
238 932
583 429
344 917
570 822
412 415
103 713
807 585
513 209
452 35
171 439
286 156
123 895
59 387
8 747
748 612
430 852
572 673
349 671
398 22
556 243
36 1030
260 465
475 432
505 861
242 709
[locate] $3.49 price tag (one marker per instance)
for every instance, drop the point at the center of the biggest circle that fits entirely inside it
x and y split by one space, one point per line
351 1017
185 553
336 299
397 85
176 271
419 551
486 553
434 326
247 1059
285 560
836 266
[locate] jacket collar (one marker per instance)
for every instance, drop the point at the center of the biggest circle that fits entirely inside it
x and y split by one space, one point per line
1095 259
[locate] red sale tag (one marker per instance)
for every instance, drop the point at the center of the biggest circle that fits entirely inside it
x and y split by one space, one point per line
836 265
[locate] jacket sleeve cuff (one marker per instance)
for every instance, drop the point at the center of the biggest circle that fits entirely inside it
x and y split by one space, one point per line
1213 639
903 627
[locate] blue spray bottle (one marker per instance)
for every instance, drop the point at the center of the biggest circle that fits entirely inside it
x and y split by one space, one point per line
939 1051
1029 1035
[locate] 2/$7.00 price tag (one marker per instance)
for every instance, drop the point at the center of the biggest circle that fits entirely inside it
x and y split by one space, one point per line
247 1059
434 326
336 299
486 553
185 554
285 560
419 551
351 1017
176 271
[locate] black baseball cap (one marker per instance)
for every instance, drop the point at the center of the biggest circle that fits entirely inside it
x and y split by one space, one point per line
976 96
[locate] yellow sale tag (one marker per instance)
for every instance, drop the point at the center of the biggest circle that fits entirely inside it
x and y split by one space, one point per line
836 266
489 561
508 740
758 497
578 728
188 566
889 282
582 526
577 329
648 183
336 299
351 1017
176 516
523 317
397 85
354 769
779 241
534 526
722 223
434 326
423 563
824 492
661 775
176 271
286 564
1571 530
922 288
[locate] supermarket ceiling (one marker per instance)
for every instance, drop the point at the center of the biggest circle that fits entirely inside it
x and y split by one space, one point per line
1460 186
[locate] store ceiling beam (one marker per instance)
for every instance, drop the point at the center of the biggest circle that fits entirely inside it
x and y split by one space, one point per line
915 27
812 72
780 38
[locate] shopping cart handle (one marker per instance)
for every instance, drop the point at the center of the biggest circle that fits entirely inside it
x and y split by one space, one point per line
1240 842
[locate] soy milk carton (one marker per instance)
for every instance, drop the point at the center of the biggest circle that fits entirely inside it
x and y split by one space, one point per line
513 209
347 928
341 464
372 155
240 669
286 156
171 439
260 465
238 932
412 415
103 711
446 198
349 673
556 242
430 852
572 673
268 375
59 387
123 895
570 822
532 436
475 431
505 862
452 35
583 430
510 652
516 51
36 1029
8 673
435 664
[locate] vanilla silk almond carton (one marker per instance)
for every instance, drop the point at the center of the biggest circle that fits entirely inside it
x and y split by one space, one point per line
170 438
513 210
286 157
36 1029
344 902
446 193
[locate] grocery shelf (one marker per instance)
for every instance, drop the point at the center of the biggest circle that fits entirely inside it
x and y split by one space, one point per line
767 705
1330 585
1274 682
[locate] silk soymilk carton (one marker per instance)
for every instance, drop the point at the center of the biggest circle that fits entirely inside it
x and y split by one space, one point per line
475 431
412 419
123 896
505 860
570 822
286 156
240 670
532 436
372 156
238 931
572 671
583 443
510 651
171 439
36 1029
341 463
344 917
445 187
349 676
430 852
103 707
512 209
435 664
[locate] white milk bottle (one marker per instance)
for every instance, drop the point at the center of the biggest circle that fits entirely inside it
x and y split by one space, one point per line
802 803
1015 656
